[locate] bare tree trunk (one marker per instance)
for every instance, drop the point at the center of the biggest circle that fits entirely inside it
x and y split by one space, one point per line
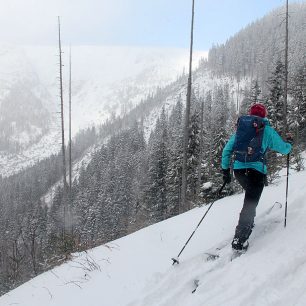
186 129
70 147
286 73
70 143
62 117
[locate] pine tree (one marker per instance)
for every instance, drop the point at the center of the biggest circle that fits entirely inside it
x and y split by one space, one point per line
297 115
220 127
158 165
255 92
246 102
276 97
208 136
193 155
297 118
251 95
174 169
274 105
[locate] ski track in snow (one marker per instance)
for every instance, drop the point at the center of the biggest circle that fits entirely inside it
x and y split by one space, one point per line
137 270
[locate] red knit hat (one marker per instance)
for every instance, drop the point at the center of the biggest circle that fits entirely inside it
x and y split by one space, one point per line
258 110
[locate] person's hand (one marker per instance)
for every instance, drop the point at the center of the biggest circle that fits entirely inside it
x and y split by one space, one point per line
289 138
226 176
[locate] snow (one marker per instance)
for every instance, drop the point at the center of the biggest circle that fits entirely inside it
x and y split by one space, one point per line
137 270
13 163
203 81
106 81
207 185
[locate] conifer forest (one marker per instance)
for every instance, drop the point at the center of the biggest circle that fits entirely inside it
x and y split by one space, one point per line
134 176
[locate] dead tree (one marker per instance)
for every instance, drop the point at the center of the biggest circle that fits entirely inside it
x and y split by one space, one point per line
62 121
286 72
62 102
70 144
70 160
186 128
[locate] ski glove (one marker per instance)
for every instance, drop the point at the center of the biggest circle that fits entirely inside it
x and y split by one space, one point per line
289 138
226 176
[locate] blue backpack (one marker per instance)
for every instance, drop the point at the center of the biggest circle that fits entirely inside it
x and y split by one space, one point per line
248 141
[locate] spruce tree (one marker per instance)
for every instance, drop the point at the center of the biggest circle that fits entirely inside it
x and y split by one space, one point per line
220 126
158 165
174 169
255 92
297 118
193 155
276 96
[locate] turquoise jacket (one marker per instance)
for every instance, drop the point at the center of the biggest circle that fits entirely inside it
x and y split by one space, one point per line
271 141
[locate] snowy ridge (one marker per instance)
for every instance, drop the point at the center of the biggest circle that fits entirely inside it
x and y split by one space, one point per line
14 163
106 81
203 81
137 270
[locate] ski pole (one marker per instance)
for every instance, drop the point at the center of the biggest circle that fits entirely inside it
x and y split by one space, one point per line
287 183
175 260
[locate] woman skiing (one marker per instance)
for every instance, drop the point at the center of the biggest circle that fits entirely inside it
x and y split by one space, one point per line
254 136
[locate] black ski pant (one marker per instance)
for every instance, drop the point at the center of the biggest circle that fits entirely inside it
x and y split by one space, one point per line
252 182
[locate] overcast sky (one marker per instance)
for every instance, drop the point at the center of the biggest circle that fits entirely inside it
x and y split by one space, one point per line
158 23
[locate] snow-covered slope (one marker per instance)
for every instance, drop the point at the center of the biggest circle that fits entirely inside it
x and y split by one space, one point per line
137 270
204 80
109 80
106 81
24 102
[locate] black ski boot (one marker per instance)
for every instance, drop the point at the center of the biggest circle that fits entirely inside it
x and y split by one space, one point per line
239 245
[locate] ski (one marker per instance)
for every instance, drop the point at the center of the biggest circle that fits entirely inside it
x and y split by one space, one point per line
212 256
196 284
217 253
227 258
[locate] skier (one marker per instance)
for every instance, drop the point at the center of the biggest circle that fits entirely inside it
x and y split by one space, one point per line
254 136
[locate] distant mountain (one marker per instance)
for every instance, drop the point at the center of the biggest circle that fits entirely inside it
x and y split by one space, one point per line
106 82
24 102
109 81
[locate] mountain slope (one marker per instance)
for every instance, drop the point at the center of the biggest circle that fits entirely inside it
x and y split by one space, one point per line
255 49
136 270
109 80
24 102
106 82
